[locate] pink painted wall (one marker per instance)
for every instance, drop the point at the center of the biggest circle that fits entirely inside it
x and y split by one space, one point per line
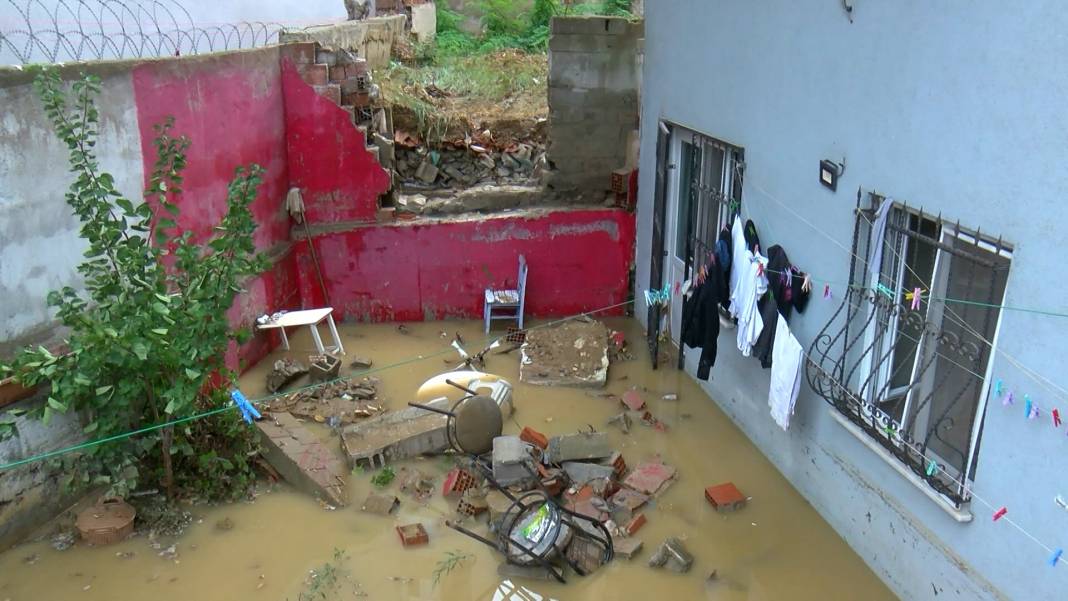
328 159
231 107
579 260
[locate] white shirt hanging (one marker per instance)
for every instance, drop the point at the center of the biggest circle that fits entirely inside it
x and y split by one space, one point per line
752 284
786 358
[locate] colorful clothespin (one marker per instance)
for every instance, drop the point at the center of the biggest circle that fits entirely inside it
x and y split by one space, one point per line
248 412
1027 406
678 287
1000 513
827 292
998 390
1009 399
915 297
1056 418
1034 412
1053 559
885 290
932 467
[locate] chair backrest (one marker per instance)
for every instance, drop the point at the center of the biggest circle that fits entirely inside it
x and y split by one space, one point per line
521 281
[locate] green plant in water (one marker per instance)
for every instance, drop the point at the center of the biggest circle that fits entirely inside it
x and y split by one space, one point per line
451 561
383 477
148 333
324 581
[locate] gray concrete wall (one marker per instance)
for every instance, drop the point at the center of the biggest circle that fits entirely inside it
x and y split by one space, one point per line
31 495
39 239
372 39
958 107
594 83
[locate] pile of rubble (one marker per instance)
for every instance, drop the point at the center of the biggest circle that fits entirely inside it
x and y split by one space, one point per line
473 165
339 402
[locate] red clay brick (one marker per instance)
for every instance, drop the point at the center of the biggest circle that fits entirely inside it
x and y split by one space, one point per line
534 437
413 535
301 53
456 482
635 524
313 74
725 497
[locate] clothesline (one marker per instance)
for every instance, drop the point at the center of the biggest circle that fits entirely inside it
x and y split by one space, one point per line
945 299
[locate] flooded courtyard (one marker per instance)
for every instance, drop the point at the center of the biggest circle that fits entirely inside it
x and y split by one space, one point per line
777 547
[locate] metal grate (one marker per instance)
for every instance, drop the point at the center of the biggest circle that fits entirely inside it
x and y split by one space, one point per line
914 376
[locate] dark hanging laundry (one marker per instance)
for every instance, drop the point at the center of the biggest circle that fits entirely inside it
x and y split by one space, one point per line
723 254
785 293
752 241
700 316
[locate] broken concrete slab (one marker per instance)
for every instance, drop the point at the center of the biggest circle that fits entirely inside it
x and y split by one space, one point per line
302 459
651 477
383 504
622 420
396 435
360 363
578 447
673 556
626 548
324 368
628 498
581 473
512 462
574 353
284 372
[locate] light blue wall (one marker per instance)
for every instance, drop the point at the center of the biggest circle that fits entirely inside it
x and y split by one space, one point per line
957 106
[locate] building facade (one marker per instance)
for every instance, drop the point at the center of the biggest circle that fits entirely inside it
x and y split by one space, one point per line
908 157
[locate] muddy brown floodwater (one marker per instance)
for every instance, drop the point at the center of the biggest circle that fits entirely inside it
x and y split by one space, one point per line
777 547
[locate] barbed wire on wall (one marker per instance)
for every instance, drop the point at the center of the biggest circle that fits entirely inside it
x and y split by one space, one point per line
74 30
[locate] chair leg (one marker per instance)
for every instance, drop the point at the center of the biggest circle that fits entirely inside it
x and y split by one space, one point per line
486 315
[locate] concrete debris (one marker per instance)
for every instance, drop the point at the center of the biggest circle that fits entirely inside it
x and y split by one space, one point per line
512 463
395 435
224 525
581 473
283 373
622 420
416 484
556 357
673 556
626 548
380 504
583 446
629 499
302 459
585 555
63 541
347 401
650 478
360 363
427 172
323 368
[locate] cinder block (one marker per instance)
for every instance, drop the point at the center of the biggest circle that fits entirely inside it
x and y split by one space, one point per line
330 91
314 74
301 53
337 74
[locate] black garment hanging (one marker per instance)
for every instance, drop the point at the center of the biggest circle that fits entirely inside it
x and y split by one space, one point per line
700 318
752 241
726 262
785 293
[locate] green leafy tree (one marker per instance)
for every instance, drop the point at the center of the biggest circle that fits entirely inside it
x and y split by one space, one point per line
149 332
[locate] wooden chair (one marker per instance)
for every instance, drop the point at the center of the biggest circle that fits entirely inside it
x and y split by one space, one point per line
511 301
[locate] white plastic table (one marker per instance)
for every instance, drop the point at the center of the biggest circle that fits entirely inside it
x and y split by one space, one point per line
311 318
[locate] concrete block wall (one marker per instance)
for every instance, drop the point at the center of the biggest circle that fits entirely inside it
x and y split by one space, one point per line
594 101
371 39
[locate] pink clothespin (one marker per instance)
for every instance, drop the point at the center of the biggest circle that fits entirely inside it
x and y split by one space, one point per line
917 294
1056 418
678 287
827 292
1009 399
1000 513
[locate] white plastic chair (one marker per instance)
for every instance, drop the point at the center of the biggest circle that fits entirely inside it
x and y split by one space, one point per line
512 301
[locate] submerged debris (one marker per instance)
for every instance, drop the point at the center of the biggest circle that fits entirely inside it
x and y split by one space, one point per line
346 401
673 556
62 541
284 372
574 353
